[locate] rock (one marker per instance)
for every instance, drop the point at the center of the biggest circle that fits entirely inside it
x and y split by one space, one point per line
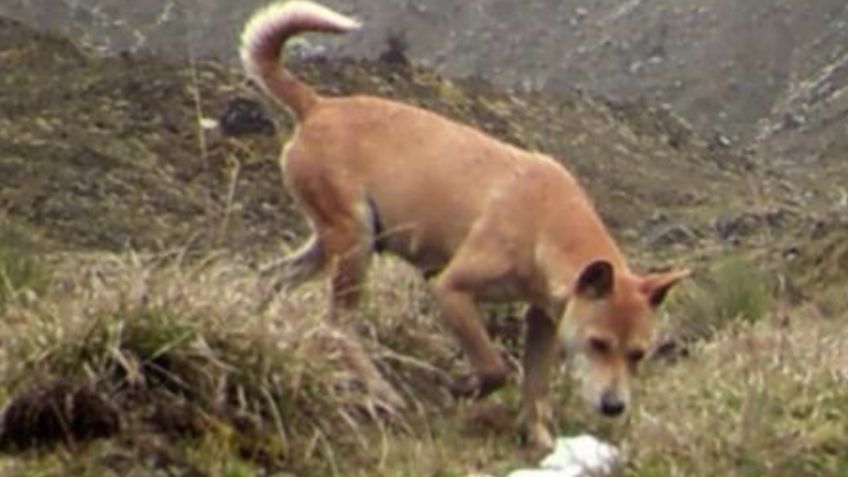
670 234
734 228
241 116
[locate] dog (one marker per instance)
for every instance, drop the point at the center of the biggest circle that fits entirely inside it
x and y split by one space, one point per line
485 220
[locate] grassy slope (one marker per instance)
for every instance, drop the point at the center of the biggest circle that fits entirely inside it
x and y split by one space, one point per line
101 155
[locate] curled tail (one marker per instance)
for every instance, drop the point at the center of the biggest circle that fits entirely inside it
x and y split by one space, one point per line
266 33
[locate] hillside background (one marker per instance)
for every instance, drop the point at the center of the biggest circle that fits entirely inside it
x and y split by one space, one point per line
741 70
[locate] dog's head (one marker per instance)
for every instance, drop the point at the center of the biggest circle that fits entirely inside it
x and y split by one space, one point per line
608 327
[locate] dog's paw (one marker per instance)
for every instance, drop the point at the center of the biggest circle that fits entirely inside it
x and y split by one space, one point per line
488 416
473 386
465 387
536 440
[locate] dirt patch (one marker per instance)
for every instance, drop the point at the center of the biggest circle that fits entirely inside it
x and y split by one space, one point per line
58 412
109 153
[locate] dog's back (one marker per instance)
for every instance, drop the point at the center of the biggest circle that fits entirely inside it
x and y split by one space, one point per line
405 163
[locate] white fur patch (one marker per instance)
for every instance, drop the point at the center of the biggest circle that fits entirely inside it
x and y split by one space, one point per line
284 16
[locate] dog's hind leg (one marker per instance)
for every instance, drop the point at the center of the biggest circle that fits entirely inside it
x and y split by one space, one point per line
293 269
348 246
345 234
344 221
304 263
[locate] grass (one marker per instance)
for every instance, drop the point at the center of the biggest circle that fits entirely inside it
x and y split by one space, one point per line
757 400
21 275
140 335
204 384
182 354
734 291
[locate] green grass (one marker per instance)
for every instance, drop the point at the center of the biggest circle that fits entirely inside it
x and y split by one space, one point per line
21 274
734 291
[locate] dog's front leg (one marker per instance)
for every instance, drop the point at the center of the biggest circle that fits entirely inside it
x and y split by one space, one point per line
459 312
540 352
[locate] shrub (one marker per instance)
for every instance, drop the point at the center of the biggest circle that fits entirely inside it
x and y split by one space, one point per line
734 292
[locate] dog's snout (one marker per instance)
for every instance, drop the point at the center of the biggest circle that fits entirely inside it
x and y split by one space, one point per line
611 405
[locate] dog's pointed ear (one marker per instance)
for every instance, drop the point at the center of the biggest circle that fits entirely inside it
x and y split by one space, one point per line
596 280
656 285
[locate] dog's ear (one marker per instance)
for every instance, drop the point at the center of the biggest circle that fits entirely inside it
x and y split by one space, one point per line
656 285
596 280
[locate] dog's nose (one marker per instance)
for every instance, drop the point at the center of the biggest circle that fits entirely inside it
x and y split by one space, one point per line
611 406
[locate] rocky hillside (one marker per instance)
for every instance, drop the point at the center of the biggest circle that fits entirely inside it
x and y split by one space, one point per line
110 152
113 152
737 70
116 152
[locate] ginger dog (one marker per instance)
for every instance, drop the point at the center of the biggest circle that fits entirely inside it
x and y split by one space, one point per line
486 220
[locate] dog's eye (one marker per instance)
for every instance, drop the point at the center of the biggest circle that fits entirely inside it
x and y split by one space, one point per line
635 356
600 346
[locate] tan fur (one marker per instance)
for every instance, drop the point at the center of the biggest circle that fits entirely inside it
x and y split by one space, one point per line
488 220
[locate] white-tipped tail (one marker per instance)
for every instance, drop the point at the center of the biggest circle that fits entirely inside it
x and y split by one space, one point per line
264 36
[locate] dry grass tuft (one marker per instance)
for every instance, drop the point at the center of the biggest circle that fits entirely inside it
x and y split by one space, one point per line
180 348
757 400
203 383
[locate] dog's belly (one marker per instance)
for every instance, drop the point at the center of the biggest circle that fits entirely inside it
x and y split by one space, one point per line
412 245
430 262
508 289
422 223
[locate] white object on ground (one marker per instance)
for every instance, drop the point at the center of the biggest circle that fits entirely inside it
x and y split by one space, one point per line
208 123
542 473
581 456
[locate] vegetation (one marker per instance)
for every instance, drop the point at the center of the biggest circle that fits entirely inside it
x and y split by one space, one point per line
21 276
201 383
734 292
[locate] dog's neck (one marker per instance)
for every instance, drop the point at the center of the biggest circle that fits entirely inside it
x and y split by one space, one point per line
563 260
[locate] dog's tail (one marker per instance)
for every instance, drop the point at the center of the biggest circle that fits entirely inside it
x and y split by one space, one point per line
265 35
